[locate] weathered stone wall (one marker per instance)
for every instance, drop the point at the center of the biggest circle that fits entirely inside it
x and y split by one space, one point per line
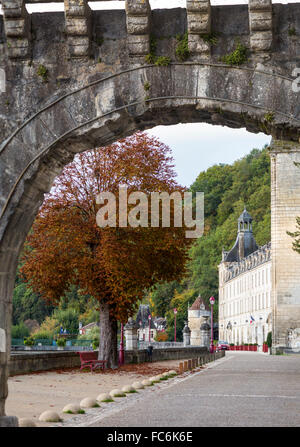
42 361
158 355
285 205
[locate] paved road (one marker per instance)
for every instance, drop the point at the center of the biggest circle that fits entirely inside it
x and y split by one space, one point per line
240 390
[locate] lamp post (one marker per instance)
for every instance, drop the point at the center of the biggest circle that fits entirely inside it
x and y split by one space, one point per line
175 312
212 302
149 318
121 352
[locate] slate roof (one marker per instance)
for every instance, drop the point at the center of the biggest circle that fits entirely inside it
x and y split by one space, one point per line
197 303
244 237
245 217
142 316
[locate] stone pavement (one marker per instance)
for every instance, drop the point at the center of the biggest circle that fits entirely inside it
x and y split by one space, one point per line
241 390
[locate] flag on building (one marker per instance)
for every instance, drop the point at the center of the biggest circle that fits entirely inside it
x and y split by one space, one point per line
251 319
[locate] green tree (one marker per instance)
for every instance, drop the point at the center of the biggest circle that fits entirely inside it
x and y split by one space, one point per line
19 331
68 319
161 297
227 188
28 305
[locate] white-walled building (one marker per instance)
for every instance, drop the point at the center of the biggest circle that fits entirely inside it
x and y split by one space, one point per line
245 308
143 321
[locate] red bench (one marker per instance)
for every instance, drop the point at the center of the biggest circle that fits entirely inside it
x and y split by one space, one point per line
89 359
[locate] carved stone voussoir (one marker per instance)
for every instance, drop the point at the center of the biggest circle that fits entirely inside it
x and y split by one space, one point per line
137 7
17 28
261 41
78 19
138 25
199 23
198 5
261 21
198 45
260 5
138 45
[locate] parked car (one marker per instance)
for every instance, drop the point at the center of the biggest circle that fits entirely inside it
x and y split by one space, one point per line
222 345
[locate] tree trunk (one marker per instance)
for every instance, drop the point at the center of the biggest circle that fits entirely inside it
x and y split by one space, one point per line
108 337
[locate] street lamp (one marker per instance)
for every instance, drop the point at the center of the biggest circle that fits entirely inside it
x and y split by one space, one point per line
212 302
149 318
175 312
121 352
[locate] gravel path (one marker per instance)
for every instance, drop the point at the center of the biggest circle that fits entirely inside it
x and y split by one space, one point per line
240 390
29 395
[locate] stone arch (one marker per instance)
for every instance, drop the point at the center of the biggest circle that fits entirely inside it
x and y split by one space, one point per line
107 109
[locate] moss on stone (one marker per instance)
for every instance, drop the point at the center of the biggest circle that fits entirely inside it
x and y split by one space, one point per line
43 72
237 57
269 117
211 38
163 61
182 49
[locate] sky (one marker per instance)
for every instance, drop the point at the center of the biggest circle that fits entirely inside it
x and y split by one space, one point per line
195 147
154 4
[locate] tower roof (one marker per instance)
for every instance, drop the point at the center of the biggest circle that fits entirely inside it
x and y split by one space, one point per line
245 243
245 217
198 304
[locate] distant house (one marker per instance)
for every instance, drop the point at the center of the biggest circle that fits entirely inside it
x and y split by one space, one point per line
143 321
84 329
160 323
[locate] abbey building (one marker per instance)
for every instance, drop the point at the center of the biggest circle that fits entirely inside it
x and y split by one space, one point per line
245 288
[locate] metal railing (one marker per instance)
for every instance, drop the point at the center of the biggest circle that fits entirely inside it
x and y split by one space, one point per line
51 342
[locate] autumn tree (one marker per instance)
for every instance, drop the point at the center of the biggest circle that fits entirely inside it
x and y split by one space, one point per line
113 264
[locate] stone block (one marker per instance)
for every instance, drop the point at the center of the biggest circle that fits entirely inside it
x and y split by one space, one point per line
77 26
138 16
199 23
197 44
137 7
18 48
15 28
261 41
260 21
13 8
198 5
260 5
138 25
75 8
138 45
78 45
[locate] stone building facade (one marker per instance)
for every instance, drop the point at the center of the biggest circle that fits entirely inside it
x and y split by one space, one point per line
143 320
245 288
